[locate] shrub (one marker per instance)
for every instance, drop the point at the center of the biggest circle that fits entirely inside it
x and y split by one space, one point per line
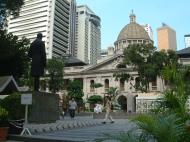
94 99
12 104
3 117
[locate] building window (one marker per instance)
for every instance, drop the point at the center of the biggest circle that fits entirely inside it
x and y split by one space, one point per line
134 41
154 85
66 84
129 41
137 83
106 83
122 85
91 85
81 12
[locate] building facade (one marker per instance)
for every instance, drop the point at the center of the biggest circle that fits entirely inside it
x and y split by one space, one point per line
187 40
166 38
88 35
51 18
103 72
72 27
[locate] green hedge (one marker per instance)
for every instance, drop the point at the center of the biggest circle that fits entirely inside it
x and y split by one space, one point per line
94 99
12 104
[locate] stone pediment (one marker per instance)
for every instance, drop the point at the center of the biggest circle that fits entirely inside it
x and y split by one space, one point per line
107 64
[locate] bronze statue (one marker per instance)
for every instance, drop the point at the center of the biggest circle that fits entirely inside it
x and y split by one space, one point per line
38 55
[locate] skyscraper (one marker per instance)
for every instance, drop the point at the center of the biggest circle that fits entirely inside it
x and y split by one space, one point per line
88 35
51 18
187 40
166 38
72 27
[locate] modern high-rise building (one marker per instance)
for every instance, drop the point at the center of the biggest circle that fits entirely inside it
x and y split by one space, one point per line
88 35
149 30
187 40
72 27
166 38
103 53
51 18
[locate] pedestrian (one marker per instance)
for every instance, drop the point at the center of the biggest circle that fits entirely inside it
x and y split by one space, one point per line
108 110
72 107
38 55
98 108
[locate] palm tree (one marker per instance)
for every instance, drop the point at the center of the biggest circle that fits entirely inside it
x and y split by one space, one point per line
162 128
168 124
112 92
176 96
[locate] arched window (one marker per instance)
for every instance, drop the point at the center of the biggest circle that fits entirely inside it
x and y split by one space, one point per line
122 85
137 83
122 101
91 85
106 83
154 84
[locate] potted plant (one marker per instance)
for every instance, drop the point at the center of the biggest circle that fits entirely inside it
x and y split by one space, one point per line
3 124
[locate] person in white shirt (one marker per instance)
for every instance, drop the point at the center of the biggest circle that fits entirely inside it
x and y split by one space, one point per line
98 108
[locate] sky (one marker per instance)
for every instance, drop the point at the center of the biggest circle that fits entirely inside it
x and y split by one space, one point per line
114 16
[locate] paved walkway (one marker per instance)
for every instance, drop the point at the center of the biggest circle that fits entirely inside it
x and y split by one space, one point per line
83 134
91 133
66 123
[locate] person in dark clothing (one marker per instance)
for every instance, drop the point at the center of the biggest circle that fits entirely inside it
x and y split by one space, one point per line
38 55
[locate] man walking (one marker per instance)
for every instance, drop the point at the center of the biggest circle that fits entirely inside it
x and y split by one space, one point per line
38 55
72 108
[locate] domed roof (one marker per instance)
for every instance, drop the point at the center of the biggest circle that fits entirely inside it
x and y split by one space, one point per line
133 30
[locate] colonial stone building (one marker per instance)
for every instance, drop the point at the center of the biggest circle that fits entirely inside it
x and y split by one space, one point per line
103 72
105 69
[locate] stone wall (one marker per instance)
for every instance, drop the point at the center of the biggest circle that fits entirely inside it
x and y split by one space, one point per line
146 103
44 108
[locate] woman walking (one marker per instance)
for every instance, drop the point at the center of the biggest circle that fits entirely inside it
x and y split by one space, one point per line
108 110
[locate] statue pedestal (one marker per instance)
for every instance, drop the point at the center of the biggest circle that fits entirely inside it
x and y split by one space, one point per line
44 108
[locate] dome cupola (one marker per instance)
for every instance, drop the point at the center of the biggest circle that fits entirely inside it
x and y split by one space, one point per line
132 33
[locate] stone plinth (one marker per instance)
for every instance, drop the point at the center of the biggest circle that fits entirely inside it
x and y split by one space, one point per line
44 108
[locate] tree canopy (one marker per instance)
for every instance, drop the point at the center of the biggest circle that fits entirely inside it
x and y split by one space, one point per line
9 7
13 55
95 99
147 62
75 90
96 85
55 68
